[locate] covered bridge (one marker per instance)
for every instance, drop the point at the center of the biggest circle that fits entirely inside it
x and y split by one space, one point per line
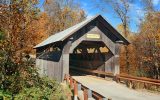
92 44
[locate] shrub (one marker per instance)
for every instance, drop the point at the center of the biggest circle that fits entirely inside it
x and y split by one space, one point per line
47 90
5 95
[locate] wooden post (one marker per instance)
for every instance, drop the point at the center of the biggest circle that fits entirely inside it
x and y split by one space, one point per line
71 83
85 94
109 99
65 59
103 98
75 90
67 79
79 87
130 84
116 59
109 66
117 79
89 93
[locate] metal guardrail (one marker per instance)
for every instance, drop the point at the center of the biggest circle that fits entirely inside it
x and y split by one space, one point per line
131 79
77 86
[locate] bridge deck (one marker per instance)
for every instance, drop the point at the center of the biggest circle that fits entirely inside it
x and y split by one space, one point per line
111 89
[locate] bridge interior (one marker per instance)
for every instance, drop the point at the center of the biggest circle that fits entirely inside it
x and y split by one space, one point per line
90 55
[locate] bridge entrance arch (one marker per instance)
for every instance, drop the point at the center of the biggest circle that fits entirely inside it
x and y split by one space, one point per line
93 56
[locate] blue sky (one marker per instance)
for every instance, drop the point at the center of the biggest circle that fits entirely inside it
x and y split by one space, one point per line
136 11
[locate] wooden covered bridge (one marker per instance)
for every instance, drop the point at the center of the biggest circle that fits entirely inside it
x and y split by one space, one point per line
92 44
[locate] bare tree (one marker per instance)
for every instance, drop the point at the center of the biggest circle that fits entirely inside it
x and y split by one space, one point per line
148 5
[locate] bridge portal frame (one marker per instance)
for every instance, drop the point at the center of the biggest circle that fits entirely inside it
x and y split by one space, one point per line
53 53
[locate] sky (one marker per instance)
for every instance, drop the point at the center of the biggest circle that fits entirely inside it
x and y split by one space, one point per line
136 11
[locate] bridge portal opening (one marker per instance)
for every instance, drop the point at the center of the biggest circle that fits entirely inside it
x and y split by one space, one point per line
90 55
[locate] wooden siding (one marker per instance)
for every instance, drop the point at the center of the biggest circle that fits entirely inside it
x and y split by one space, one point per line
50 68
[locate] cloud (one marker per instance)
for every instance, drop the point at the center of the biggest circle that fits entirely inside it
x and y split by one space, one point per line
156 2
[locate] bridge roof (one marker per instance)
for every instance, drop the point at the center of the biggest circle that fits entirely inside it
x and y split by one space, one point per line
68 32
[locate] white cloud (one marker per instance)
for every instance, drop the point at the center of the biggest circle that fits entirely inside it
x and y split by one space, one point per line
156 2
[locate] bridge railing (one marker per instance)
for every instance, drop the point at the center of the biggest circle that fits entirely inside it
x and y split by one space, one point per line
130 81
87 93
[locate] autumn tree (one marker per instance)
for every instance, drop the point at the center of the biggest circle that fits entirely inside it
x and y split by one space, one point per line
147 42
19 32
63 14
132 59
38 31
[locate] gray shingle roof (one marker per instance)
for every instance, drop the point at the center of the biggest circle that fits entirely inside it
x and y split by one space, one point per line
64 34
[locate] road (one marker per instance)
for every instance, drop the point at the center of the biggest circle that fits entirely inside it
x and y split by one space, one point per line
111 89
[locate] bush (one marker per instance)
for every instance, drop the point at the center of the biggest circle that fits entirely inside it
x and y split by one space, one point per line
5 95
48 90
26 84
20 80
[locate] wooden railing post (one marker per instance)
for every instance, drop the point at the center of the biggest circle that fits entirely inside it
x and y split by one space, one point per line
104 98
71 83
67 79
79 87
75 90
117 78
109 99
89 93
85 94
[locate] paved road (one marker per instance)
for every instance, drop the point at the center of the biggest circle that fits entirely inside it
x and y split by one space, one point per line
111 89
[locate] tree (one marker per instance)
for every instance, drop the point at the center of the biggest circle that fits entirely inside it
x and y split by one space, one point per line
148 5
38 31
132 59
149 47
62 14
147 42
18 29
22 27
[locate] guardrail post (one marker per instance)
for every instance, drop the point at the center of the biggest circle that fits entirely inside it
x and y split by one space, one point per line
89 93
67 78
117 79
79 87
80 92
130 84
71 83
104 99
85 94
75 90
109 99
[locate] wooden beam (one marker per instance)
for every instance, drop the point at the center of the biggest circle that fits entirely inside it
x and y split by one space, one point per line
65 59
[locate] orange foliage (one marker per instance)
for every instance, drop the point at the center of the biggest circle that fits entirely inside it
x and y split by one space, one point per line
144 50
